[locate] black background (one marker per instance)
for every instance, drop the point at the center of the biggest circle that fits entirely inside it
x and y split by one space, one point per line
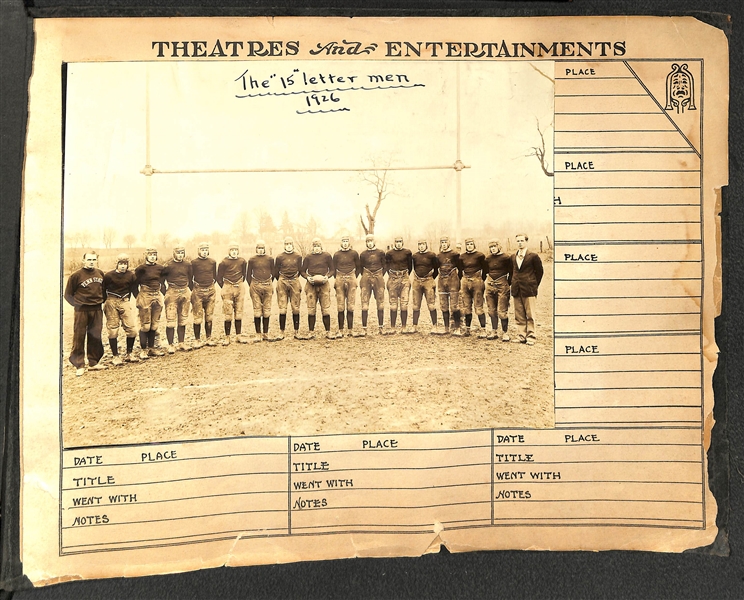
702 573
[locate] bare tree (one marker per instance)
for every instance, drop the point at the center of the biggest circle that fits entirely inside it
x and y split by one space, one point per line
242 226
266 226
379 179
163 238
70 239
82 238
287 226
539 152
435 229
304 235
109 233
129 240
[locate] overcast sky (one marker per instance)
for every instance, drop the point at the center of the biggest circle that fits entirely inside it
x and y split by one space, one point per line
197 122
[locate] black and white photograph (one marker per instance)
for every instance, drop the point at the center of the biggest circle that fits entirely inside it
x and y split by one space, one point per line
305 247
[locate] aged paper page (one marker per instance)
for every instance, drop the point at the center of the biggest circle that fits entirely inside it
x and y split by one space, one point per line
333 288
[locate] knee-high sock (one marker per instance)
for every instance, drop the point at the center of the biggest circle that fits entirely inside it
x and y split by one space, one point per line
482 321
504 324
393 317
228 327
143 339
181 331
238 326
197 331
340 320
494 323
433 315
380 317
365 314
311 322
468 320
208 328
296 321
416 314
114 345
446 318
327 322
282 321
130 344
403 318
257 324
266 324
456 317
350 319
151 338
169 332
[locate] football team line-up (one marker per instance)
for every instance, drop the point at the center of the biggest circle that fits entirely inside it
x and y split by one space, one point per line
463 281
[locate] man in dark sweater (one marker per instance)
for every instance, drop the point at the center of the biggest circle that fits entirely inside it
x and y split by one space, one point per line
84 291
348 268
527 273
317 269
287 267
399 266
425 271
230 277
151 289
203 294
179 278
472 286
498 279
448 286
119 286
259 276
374 266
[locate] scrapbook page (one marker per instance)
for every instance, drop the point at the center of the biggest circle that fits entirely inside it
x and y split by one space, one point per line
325 287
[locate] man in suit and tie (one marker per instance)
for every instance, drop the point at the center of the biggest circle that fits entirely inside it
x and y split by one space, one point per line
527 273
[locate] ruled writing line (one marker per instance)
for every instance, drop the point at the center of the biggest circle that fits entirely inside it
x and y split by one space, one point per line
643 222
174 460
628 314
184 518
633 187
680 353
113 485
614 204
640 261
591 171
620 150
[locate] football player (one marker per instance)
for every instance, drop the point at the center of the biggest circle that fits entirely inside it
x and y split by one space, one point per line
399 266
151 289
317 269
287 267
231 274
203 294
348 268
119 287
373 264
178 276
425 272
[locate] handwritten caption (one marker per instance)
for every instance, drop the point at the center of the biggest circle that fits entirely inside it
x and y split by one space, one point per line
318 92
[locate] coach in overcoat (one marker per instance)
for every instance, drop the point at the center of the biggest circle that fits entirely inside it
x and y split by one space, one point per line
527 273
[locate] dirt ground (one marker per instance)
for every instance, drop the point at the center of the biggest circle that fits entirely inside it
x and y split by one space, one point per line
374 384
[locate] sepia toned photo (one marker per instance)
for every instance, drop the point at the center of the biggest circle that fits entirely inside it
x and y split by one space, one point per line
306 247
333 288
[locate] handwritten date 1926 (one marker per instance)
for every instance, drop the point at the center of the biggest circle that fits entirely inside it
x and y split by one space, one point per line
318 99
